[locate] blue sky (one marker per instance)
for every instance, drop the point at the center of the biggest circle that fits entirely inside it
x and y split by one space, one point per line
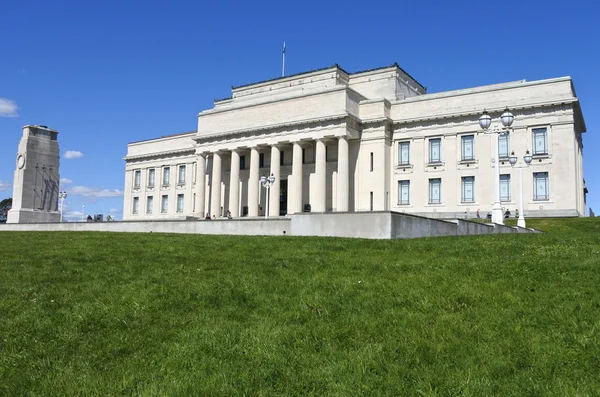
111 72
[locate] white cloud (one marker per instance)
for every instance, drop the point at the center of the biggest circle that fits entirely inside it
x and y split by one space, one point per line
8 108
4 186
65 181
114 211
94 192
73 154
72 215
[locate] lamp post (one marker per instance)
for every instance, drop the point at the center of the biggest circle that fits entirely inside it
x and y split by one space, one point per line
62 196
82 213
267 183
485 121
513 160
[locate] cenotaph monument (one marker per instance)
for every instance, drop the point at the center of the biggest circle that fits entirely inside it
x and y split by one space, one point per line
35 189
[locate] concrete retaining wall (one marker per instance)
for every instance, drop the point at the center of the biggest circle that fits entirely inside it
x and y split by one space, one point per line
254 227
374 225
410 226
371 225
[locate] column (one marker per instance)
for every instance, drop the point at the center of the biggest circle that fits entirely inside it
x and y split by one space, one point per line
275 189
234 185
200 184
342 175
253 184
321 179
296 202
215 198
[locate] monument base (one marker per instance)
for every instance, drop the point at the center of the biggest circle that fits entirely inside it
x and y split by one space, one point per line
32 216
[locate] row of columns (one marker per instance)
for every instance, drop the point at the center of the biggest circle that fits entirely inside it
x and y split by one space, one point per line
295 181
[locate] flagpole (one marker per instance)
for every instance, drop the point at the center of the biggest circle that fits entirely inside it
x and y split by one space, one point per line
283 61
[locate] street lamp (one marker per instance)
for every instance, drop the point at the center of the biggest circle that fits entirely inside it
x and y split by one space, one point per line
513 160
62 196
82 213
485 121
267 183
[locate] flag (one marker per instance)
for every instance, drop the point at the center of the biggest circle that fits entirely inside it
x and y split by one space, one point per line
284 47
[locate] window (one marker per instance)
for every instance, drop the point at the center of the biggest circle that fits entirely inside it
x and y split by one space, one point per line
137 178
540 186
136 205
404 153
303 156
164 204
261 160
540 141
468 189
180 203
435 154
403 192
181 176
371 200
281 157
242 162
503 145
435 196
151 177
371 166
467 147
505 187
149 204
166 176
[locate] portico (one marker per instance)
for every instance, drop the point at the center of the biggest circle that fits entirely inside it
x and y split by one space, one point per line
302 166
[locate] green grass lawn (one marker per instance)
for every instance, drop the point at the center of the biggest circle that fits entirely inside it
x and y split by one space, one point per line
176 315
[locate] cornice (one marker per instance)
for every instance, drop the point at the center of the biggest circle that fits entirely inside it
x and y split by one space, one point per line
170 153
274 127
480 89
170 136
496 109
521 113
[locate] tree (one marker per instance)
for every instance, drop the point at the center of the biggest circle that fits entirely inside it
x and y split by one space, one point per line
5 205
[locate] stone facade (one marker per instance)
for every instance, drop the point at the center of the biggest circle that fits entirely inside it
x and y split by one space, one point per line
366 141
36 183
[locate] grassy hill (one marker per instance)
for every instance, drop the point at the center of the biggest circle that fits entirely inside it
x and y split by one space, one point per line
160 314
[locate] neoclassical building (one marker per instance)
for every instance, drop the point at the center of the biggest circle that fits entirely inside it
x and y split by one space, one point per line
368 141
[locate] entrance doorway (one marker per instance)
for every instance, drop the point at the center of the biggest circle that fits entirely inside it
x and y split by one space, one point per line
283 196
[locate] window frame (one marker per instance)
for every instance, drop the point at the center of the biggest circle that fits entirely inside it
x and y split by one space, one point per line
180 203
164 204
463 185
149 204
536 196
151 180
402 163
507 138
431 186
508 180
166 176
534 133
401 184
463 140
181 167
137 179
431 145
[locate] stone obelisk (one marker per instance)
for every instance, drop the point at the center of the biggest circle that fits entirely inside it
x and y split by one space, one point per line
35 188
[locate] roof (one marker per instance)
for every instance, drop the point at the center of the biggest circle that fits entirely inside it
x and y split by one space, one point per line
335 65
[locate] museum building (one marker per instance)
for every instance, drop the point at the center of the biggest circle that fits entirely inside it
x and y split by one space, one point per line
374 140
